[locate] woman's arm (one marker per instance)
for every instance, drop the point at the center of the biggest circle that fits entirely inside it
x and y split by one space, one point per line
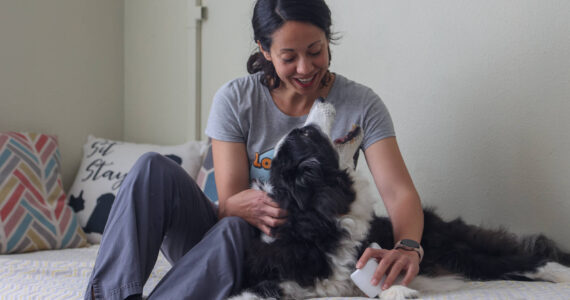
396 189
235 198
404 208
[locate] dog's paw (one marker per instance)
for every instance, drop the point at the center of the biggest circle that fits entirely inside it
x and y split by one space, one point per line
552 271
249 296
399 292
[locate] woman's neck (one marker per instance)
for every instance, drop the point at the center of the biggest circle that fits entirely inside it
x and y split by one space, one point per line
294 104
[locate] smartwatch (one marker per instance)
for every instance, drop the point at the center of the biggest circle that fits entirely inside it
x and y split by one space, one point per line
410 245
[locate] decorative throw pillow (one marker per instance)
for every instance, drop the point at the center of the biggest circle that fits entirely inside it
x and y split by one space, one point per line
33 210
103 168
206 180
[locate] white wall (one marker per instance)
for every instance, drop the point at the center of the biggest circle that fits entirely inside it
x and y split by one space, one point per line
227 42
479 92
61 71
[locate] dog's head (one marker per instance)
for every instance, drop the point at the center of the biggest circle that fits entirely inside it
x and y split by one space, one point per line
306 177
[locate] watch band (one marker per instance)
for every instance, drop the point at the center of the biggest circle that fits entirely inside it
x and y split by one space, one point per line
410 245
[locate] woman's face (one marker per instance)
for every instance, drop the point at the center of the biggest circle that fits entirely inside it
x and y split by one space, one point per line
299 52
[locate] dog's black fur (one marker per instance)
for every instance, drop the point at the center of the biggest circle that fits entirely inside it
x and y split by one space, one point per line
307 181
474 252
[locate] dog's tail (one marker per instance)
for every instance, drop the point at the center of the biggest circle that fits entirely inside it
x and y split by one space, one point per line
483 254
541 246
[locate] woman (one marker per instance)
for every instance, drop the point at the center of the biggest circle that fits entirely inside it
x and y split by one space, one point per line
160 207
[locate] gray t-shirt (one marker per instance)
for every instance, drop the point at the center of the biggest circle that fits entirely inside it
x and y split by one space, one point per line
243 111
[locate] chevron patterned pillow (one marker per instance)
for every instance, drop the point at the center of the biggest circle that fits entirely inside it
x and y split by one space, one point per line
33 210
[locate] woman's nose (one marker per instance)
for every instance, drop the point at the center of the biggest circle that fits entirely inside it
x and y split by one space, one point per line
305 66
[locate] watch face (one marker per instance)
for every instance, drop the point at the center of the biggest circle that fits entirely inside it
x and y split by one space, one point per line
410 243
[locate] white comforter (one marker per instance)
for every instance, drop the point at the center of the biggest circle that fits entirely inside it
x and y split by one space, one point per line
56 274
63 274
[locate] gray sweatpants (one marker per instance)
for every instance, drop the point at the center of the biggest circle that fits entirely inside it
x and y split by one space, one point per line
160 207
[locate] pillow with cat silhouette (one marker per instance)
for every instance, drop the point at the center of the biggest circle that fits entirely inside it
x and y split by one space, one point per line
103 168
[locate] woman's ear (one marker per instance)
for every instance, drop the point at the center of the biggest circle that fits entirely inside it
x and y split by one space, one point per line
265 53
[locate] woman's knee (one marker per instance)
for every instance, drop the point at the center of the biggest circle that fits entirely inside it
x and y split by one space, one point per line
157 164
151 159
158 176
232 222
235 224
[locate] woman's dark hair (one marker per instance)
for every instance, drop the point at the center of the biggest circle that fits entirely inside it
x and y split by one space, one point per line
269 16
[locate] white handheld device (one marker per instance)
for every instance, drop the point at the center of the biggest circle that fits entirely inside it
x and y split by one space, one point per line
361 277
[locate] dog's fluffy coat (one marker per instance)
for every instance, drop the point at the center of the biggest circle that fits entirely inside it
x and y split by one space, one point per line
331 221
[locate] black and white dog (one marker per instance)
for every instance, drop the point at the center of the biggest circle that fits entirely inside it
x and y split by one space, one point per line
331 221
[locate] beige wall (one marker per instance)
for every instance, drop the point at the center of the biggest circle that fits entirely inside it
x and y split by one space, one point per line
61 71
160 66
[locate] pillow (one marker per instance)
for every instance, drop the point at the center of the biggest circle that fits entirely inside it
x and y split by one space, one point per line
104 166
206 180
33 211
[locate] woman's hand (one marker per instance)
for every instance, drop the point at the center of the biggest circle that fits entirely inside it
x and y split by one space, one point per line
257 208
391 263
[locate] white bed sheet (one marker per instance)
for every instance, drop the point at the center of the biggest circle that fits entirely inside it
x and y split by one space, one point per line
63 274
56 274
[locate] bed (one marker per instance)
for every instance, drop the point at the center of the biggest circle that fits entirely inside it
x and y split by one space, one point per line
55 274
46 253
63 274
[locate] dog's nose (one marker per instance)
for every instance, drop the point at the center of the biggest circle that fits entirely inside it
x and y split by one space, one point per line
321 99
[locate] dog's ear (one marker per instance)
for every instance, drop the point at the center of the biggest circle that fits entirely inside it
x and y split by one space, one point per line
334 195
308 174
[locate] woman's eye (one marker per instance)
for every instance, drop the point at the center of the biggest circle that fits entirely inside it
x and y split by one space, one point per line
315 53
288 60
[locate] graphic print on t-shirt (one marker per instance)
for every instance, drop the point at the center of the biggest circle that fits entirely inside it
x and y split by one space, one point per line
260 166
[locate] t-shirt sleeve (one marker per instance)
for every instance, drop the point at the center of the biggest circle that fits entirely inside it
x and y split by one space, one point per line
377 122
224 121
